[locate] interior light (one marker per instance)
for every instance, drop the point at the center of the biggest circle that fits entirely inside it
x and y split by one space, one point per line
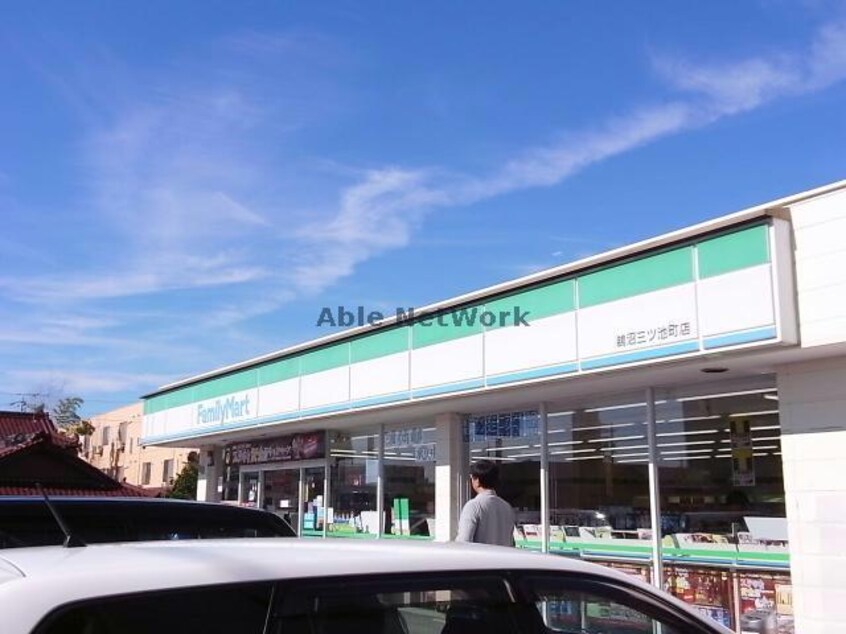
703 397
684 451
624 448
685 444
508 447
767 412
563 452
585 458
699 432
616 439
595 427
565 442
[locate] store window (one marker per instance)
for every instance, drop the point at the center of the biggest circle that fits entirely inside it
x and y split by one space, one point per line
146 472
167 470
512 440
354 476
722 501
598 475
409 481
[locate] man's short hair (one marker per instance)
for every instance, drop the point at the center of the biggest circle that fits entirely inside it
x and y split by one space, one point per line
486 472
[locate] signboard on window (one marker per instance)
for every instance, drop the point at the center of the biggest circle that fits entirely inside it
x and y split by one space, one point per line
304 446
506 425
742 458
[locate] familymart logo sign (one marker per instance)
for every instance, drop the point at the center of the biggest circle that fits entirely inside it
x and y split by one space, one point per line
221 411
463 317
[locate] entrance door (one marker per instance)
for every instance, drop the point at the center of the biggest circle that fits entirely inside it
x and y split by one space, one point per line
250 488
282 495
314 505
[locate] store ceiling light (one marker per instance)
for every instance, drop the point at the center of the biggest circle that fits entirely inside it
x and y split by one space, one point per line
557 414
766 412
762 447
685 399
595 427
624 448
771 397
689 458
565 452
611 408
688 419
565 442
633 460
525 455
685 444
765 427
585 458
699 432
616 438
629 455
684 451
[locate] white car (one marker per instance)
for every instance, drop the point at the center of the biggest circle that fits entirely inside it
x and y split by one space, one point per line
343 586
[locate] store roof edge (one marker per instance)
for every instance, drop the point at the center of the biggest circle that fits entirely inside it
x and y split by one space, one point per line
774 208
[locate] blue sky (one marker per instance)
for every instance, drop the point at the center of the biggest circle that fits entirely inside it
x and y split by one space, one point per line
184 185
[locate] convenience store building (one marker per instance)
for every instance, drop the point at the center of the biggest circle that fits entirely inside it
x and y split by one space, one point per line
675 408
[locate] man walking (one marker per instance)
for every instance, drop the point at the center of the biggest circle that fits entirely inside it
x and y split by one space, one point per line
487 518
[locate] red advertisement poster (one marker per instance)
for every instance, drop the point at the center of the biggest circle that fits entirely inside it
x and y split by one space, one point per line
766 604
709 591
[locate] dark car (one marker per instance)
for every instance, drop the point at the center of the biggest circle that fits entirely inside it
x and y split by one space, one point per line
28 521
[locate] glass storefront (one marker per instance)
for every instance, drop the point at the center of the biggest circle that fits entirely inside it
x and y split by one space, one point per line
718 485
512 440
409 463
599 483
353 486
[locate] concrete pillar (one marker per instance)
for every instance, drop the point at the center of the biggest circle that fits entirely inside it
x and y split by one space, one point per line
812 409
210 470
449 474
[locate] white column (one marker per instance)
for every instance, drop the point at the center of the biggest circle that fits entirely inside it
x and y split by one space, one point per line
654 488
380 484
544 478
449 472
210 470
812 412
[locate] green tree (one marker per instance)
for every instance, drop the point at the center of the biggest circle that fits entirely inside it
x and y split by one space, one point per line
66 412
185 486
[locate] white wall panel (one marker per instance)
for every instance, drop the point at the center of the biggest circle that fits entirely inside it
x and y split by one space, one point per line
546 341
820 254
599 326
180 419
456 360
383 375
739 300
279 397
325 388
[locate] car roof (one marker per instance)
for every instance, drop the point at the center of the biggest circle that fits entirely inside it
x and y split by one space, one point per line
80 499
45 577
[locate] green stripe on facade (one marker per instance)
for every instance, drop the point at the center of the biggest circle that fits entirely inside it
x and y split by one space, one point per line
446 326
282 370
237 382
380 344
730 251
540 302
652 273
325 359
734 251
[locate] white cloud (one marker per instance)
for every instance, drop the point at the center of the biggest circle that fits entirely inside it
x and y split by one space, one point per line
87 383
183 179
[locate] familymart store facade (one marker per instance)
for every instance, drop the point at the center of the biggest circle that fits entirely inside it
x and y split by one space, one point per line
676 409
